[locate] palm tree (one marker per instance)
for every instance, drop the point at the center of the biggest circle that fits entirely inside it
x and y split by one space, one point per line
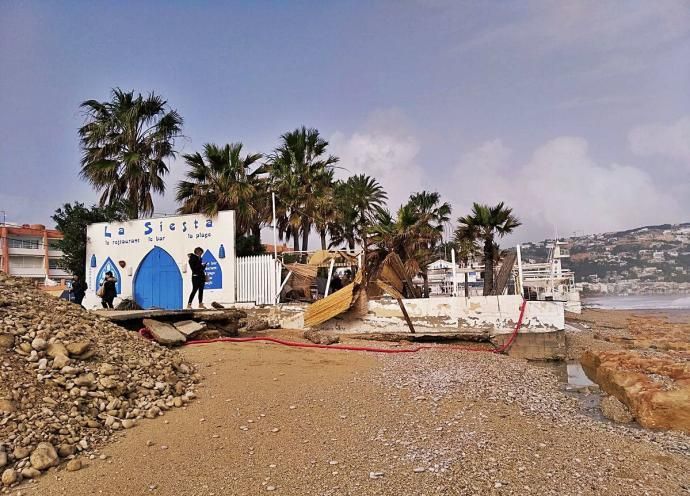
357 202
466 245
489 222
126 142
412 234
429 207
300 175
222 179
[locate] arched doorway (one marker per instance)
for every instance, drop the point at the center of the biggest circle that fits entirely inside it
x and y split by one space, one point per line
158 282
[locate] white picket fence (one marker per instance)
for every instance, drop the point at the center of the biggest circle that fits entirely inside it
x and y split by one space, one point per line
256 279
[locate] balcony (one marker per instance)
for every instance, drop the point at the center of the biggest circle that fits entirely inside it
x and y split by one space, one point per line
27 271
39 252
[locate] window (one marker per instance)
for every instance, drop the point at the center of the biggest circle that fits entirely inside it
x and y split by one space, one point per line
54 263
53 244
26 262
29 244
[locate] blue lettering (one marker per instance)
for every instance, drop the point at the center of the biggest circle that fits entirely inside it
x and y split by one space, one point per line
209 223
148 229
196 224
161 227
107 234
121 231
172 226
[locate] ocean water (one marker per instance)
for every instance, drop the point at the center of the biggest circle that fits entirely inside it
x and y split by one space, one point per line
639 302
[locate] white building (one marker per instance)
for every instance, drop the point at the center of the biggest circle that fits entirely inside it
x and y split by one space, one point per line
149 258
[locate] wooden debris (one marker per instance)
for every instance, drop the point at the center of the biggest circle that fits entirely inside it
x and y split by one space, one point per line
504 274
333 304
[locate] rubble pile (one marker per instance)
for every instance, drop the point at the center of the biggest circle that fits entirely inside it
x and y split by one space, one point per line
69 380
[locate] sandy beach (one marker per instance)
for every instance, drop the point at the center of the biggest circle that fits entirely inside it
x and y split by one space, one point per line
293 421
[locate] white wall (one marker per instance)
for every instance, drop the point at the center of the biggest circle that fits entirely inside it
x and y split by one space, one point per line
131 241
498 313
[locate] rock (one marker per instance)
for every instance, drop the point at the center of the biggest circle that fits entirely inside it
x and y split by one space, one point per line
66 450
73 465
9 477
320 337
30 473
3 458
128 423
164 333
7 406
6 342
78 348
189 328
44 456
615 410
207 335
56 349
257 325
21 452
85 380
655 388
39 344
60 361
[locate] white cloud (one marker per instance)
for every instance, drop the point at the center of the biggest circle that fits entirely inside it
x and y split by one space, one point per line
385 150
670 141
561 188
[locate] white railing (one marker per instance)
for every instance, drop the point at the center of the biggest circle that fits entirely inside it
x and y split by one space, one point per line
256 279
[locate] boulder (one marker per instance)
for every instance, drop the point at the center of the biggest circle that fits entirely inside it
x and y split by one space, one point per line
164 333
44 456
189 328
655 387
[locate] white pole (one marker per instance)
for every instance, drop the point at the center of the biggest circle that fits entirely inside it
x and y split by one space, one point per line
275 244
452 260
330 273
519 262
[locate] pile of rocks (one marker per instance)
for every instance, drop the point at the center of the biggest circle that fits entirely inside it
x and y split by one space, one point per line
69 380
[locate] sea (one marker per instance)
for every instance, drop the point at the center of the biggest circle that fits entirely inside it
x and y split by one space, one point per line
639 302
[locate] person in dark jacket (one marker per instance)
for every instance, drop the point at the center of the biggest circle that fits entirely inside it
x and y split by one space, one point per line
109 290
198 276
78 291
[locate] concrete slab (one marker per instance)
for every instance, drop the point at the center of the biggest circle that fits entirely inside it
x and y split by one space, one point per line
190 328
164 333
183 314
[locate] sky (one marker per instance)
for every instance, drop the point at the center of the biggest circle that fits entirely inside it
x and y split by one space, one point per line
576 114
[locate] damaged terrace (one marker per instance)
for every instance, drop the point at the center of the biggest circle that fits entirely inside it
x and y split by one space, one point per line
327 294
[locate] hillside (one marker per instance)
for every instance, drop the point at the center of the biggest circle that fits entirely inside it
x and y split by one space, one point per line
650 259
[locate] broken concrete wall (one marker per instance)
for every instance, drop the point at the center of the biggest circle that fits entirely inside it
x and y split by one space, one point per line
493 313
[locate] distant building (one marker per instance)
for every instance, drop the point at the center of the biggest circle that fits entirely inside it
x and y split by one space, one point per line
30 251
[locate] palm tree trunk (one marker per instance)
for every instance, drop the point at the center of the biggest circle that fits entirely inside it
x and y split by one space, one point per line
425 276
488 266
295 239
323 240
305 238
256 231
467 285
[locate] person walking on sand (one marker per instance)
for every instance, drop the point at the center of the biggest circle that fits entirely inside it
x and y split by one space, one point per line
108 290
198 276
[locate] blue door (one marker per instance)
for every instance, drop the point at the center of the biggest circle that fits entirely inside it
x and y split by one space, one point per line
158 282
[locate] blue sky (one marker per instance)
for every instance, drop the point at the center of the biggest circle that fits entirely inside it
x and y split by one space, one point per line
577 114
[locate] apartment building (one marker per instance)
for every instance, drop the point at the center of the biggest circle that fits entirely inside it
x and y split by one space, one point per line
30 251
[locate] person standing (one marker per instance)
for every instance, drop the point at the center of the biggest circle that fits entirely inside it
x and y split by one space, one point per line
79 288
198 276
109 290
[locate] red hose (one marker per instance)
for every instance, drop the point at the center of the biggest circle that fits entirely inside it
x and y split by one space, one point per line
296 344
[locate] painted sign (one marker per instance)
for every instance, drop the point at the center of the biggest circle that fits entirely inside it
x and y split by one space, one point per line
214 272
134 243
